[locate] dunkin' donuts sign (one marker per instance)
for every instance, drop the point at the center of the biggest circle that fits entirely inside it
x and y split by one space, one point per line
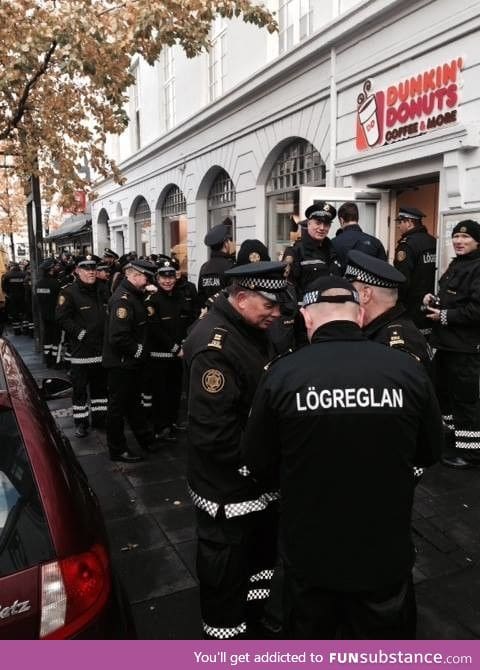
413 106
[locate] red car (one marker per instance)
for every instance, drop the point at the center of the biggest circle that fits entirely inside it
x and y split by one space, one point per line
56 578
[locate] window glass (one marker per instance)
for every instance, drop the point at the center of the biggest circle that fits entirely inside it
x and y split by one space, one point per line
24 534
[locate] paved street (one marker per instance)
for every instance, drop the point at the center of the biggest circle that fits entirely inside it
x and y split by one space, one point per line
151 528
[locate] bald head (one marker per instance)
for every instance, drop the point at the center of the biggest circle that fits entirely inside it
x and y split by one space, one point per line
318 314
375 300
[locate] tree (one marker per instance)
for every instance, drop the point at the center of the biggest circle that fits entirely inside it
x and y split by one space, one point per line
12 205
64 74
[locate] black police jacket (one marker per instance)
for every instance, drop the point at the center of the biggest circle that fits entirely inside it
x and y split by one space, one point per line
125 340
190 294
46 292
13 286
225 358
415 257
312 260
211 278
343 421
395 328
80 312
353 237
459 293
169 316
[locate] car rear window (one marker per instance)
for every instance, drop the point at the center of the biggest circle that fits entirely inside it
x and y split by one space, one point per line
24 534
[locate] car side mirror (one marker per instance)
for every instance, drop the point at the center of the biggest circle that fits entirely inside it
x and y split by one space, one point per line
54 387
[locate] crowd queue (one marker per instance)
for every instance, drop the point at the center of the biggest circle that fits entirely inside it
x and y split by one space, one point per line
319 388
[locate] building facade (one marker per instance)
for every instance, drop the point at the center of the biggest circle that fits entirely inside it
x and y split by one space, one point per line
371 101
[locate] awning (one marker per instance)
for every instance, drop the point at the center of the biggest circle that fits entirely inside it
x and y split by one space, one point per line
77 223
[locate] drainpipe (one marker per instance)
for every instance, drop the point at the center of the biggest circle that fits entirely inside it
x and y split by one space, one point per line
333 119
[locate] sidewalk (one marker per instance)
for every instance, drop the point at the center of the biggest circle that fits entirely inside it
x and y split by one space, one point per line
150 522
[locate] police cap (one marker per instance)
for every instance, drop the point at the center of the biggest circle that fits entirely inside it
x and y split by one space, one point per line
90 261
145 267
265 277
166 267
217 235
370 270
104 266
47 264
321 211
410 213
316 289
252 251
110 254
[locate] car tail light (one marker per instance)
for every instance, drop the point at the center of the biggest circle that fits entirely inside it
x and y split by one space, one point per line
74 591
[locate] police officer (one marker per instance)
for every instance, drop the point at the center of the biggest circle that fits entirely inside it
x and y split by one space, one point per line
14 289
80 312
351 236
124 355
385 320
415 257
236 519
111 259
46 293
169 316
313 254
455 318
211 278
343 438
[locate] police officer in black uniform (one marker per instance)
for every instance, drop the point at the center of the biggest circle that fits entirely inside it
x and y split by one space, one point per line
313 254
80 312
124 355
14 289
455 317
351 236
211 278
236 519
169 317
415 257
46 293
343 438
385 320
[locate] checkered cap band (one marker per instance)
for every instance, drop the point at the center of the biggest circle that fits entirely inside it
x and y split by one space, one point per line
262 283
313 297
354 273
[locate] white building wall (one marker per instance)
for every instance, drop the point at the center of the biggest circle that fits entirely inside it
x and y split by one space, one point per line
289 97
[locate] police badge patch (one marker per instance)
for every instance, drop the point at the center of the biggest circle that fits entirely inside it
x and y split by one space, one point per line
61 300
150 310
254 257
401 256
122 312
213 381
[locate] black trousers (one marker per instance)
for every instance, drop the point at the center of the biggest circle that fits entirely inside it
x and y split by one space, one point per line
235 562
89 394
166 389
457 377
316 613
124 402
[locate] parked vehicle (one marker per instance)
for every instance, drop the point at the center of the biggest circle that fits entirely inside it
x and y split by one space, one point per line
56 577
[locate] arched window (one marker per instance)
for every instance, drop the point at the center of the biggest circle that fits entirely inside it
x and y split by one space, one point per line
221 202
143 223
175 227
103 231
299 164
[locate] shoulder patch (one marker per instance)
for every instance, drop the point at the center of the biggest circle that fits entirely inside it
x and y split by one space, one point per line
213 380
150 310
401 255
218 338
396 336
61 300
121 312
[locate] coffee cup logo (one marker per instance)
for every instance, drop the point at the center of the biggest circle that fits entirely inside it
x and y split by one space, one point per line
368 114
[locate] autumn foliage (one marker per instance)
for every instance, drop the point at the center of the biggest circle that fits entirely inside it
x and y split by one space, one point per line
64 74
